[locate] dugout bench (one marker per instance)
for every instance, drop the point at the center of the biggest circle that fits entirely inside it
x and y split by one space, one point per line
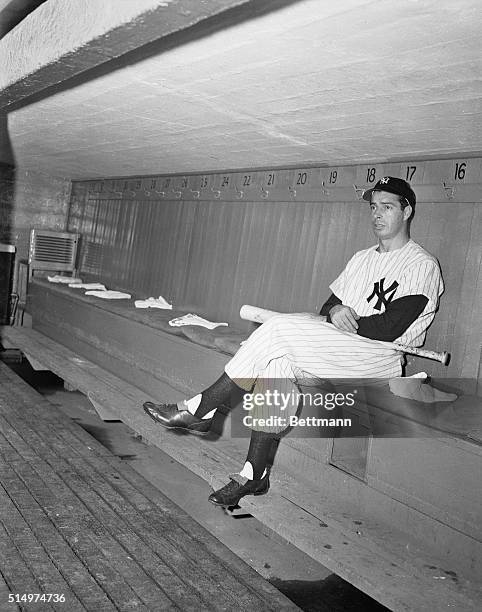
398 518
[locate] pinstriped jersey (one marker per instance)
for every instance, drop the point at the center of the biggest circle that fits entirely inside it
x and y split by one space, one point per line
372 279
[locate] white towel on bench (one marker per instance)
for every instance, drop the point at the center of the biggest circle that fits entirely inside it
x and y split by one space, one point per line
110 295
58 278
152 302
98 286
193 319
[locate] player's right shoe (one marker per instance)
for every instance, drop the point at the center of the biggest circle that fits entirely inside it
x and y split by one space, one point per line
168 415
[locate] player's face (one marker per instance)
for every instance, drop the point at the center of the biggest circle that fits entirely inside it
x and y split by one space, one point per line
389 220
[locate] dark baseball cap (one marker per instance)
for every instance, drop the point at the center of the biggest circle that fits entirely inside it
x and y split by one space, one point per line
393 185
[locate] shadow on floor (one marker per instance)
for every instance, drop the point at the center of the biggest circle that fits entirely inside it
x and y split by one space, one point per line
333 594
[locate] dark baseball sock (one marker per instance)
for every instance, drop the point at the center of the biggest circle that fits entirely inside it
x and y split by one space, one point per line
262 447
219 393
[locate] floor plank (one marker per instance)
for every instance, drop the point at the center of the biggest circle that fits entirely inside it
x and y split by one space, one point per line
76 520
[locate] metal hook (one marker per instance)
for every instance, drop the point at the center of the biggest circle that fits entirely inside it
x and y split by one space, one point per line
216 192
292 191
359 191
264 193
449 191
161 193
324 190
196 194
177 194
239 193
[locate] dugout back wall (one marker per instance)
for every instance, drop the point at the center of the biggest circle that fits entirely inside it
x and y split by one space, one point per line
277 238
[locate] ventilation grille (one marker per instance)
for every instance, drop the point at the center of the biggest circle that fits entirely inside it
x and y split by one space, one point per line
53 250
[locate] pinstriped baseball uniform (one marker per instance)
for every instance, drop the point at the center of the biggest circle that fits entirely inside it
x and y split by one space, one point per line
291 347
371 280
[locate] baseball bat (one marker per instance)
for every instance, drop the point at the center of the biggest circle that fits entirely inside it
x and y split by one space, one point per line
260 315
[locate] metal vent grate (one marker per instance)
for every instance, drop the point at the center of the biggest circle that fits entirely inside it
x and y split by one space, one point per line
53 250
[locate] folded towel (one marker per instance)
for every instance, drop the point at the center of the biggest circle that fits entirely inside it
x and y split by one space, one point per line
152 302
417 388
98 286
193 319
58 278
110 295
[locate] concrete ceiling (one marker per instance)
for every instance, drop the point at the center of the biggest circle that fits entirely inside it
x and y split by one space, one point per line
315 82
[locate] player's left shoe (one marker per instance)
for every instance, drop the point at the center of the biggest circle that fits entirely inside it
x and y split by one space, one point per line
230 494
168 415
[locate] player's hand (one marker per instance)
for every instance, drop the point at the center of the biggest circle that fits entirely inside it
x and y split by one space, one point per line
344 317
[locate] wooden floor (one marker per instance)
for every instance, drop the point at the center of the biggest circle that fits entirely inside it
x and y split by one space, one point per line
78 522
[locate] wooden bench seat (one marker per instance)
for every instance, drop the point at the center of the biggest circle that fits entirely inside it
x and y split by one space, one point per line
427 485
342 531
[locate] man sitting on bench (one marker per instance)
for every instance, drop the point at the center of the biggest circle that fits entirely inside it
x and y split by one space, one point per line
387 292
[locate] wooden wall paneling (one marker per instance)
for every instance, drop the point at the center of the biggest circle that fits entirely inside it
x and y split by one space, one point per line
264 254
249 269
148 246
201 256
110 261
95 234
242 213
439 334
335 254
200 261
131 216
264 230
285 250
438 225
453 257
274 258
296 292
184 220
126 238
169 225
318 284
269 246
304 301
225 256
158 250
164 225
220 214
469 311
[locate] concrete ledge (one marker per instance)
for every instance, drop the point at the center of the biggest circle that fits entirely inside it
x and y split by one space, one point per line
63 38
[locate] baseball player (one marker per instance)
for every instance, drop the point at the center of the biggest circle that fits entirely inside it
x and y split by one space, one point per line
387 292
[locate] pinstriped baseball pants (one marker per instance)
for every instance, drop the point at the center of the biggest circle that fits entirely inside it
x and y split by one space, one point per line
292 348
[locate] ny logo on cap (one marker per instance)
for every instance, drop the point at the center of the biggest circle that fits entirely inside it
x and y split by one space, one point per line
385 180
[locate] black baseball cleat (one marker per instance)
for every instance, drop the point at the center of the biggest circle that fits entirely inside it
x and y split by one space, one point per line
168 415
230 494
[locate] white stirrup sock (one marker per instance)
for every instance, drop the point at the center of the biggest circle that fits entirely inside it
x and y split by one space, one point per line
191 405
248 472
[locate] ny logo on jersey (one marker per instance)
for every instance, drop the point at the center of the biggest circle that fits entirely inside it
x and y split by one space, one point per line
384 296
